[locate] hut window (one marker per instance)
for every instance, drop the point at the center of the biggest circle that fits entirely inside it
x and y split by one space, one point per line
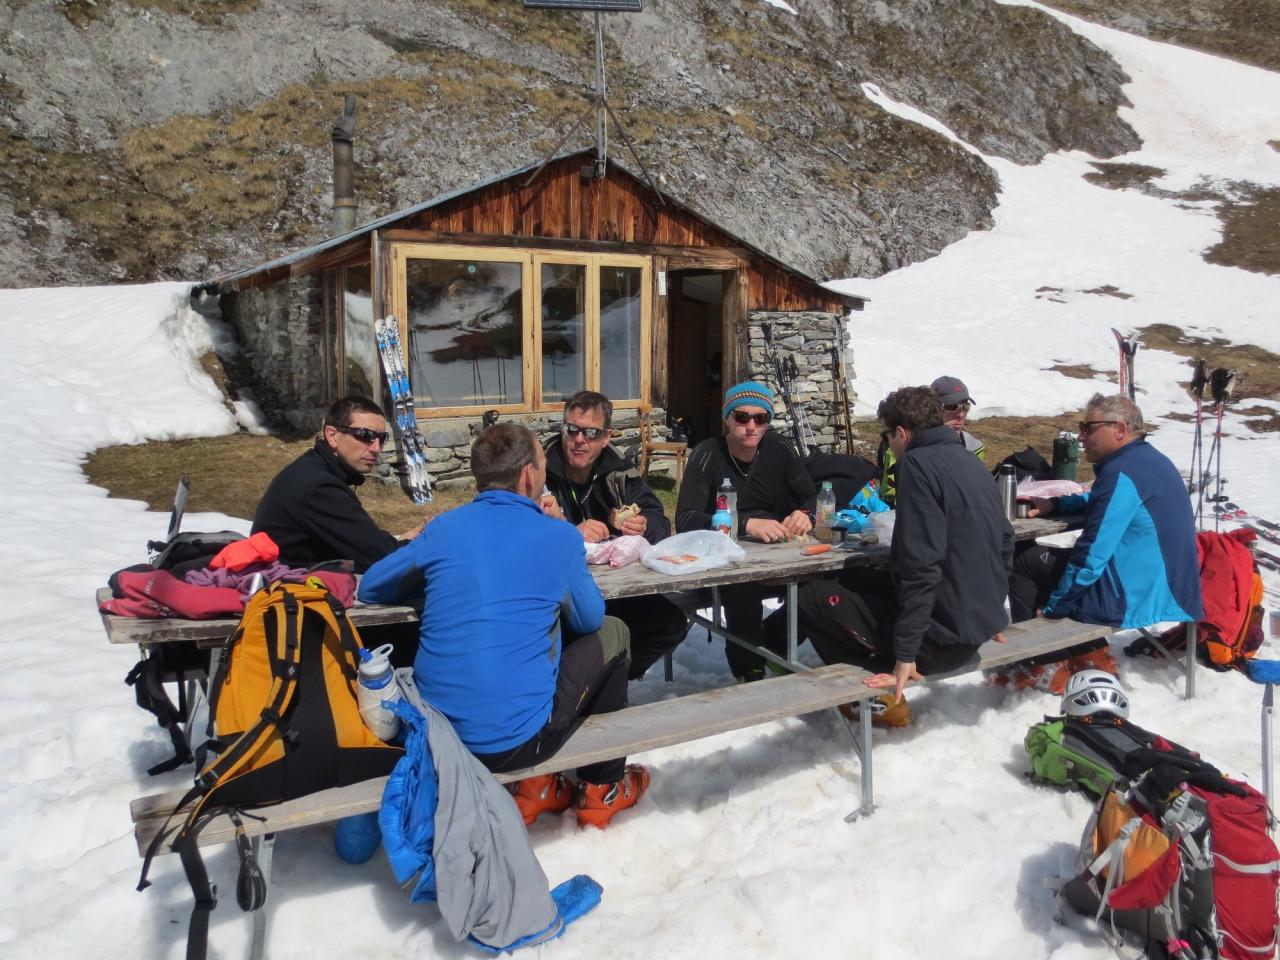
520 330
359 354
621 331
465 319
563 309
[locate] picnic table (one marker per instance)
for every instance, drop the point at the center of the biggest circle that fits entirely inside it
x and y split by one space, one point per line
780 563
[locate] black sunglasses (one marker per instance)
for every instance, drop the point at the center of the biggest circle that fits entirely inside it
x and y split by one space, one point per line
591 433
1086 426
760 419
365 435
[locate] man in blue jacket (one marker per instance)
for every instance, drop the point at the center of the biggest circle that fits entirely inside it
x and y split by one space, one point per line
1135 562
514 646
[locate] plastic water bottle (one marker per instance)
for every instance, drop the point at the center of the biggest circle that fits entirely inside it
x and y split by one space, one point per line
727 501
826 516
376 683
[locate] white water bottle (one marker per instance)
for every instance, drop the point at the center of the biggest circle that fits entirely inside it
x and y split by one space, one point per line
376 683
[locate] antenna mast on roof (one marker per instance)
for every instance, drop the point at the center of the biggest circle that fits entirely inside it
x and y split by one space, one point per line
599 105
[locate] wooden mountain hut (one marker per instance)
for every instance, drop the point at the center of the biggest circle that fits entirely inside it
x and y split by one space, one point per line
518 291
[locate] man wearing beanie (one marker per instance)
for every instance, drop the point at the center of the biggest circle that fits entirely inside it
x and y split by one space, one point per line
776 499
956 403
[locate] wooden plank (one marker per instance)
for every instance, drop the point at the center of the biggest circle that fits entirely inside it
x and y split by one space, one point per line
1033 638
650 726
216 632
638 729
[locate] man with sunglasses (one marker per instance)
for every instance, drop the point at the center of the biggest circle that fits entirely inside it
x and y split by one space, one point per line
776 500
956 404
1135 562
589 481
311 509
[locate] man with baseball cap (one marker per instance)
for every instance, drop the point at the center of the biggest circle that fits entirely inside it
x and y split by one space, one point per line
955 410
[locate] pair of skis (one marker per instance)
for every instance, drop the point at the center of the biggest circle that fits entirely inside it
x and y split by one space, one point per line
412 468
786 373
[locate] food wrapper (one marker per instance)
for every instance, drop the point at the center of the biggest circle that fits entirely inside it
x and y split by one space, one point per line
692 552
617 552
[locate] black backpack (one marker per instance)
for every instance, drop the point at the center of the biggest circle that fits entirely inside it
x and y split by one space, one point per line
1027 464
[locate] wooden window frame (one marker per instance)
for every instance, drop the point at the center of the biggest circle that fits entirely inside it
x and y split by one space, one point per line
531 261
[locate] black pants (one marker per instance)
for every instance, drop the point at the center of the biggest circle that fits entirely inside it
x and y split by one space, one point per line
592 679
656 626
1036 573
744 616
856 626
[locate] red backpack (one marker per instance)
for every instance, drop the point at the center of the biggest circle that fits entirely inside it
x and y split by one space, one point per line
1230 631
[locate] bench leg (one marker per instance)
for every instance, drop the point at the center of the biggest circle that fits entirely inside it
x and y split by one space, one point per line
793 629
1268 782
862 747
668 669
263 848
1189 691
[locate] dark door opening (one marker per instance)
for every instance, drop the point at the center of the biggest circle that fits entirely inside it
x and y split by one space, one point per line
696 362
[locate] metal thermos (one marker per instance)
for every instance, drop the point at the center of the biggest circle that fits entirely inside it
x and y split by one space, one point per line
1007 484
1066 456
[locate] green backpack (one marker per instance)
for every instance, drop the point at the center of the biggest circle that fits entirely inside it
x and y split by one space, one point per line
1093 752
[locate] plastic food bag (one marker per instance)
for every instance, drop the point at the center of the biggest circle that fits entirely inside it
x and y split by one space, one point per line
1049 488
617 552
692 552
882 524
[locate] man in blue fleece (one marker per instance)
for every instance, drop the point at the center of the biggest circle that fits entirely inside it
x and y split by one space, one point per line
514 646
1135 562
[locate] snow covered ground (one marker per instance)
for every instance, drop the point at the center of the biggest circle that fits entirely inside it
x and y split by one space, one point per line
740 848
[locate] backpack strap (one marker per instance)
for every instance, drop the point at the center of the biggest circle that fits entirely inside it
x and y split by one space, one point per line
148 690
341 626
285 654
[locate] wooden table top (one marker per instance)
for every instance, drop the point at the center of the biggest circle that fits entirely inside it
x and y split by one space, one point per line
763 563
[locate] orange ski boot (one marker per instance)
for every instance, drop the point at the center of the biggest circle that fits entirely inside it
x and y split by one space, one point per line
548 793
598 802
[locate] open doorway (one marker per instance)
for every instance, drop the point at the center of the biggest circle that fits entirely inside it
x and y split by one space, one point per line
696 336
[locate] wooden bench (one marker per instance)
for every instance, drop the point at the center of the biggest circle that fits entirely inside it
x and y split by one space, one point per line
636 729
645 727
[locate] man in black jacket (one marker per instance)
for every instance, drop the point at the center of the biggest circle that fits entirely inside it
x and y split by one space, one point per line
589 483
776 499
948 563
311 509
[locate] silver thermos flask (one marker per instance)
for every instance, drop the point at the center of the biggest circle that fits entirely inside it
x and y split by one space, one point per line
1007 484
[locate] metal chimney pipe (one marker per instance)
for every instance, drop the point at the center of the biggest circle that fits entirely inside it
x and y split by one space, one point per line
344 190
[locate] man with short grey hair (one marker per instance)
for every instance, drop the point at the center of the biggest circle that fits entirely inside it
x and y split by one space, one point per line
1135 562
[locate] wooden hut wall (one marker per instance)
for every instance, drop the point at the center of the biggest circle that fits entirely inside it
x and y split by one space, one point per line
560 205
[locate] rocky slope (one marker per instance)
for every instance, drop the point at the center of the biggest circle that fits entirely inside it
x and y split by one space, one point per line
148 139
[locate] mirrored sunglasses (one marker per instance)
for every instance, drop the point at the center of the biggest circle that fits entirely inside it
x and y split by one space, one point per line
591 433
365 435
760 419
953 407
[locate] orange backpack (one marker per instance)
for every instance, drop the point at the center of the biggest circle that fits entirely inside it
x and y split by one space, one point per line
283 705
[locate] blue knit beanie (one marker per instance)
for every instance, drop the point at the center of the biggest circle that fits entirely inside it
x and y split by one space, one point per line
748 394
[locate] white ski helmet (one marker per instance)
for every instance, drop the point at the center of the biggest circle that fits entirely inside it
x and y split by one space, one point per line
1094 691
